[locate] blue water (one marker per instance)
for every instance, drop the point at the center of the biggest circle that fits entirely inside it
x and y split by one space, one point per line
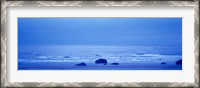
64 57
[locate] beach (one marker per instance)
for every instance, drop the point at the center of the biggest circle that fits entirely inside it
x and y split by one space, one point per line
93 66
124 57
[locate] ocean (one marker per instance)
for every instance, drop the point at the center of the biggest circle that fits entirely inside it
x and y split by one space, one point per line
65 57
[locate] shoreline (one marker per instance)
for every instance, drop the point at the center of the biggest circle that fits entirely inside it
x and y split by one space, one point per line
93 66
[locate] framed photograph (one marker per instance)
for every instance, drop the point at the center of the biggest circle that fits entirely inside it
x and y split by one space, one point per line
100 44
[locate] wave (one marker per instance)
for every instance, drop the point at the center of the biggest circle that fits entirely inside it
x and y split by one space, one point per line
123 58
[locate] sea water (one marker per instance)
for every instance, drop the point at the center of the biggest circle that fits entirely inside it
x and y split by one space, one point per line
65 57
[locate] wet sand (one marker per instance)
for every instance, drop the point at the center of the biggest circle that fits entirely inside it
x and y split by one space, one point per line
93 66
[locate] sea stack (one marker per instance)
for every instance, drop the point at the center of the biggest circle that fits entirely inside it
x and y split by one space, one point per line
163 63
115 64
179 62
101 61
81 64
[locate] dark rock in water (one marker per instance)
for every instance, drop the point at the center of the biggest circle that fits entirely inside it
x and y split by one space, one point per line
97 55
101 61
139 53
81 64
114 63
66 56
159 59
163 63
179 62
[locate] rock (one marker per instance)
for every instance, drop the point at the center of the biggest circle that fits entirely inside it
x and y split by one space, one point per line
114 63
159 59
139 53
81 64
66 56
179 62
101 61
163 63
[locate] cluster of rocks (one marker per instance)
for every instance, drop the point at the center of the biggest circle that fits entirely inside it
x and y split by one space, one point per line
99 61
105 62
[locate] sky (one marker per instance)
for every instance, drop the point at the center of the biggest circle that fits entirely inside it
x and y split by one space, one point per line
100 31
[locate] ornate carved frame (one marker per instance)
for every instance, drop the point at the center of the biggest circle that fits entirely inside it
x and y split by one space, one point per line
5 4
